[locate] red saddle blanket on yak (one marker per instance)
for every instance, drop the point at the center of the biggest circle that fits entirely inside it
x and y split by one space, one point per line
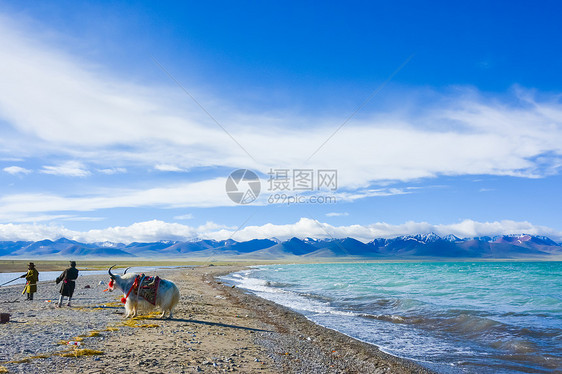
148 288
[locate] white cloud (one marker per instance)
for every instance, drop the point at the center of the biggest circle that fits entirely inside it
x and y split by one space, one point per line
26 207
342 196
82 219
15 170
184 216
56 104
59 104
142 231
158 230
147 231
167 167
111 171
67 169
34 218
208 193
306 227
337 214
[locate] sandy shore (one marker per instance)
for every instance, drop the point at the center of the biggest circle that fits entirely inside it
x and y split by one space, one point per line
216 329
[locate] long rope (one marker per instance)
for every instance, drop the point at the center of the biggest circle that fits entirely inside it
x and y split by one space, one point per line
3 284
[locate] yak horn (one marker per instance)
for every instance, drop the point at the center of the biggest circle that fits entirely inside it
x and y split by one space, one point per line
109 271
125 272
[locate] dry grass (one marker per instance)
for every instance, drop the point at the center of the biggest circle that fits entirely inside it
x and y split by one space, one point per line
92 334
147 316
115 304
76 339
80 352
76 352
133 322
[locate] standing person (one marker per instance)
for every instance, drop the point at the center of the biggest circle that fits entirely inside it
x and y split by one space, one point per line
68 278
32 277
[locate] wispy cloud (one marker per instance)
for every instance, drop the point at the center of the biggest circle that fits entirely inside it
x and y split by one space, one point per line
111 171
83 219
208 193
167 167
199 194
462 132
67 169
337 214
159 230
15 170
378 192
184 217
56 105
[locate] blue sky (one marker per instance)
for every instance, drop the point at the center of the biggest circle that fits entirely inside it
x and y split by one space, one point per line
100 143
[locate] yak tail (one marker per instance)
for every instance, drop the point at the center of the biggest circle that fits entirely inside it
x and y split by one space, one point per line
175 298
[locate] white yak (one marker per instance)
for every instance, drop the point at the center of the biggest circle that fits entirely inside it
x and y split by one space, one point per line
166 295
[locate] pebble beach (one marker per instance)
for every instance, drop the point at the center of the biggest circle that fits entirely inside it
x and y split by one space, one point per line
216 328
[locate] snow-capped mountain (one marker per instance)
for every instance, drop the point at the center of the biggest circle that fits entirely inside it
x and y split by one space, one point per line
428 245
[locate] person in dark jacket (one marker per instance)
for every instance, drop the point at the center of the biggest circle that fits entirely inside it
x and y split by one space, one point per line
32 277
68 279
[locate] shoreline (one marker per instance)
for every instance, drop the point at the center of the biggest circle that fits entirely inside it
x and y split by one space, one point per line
328 342
216 328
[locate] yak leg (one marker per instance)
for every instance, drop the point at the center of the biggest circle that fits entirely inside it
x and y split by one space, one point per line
169 314
135 306
163 315
131 309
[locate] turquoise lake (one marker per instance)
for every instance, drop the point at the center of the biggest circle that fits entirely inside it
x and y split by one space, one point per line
485 317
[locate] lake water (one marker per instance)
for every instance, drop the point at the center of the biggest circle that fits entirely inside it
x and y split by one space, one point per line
485 317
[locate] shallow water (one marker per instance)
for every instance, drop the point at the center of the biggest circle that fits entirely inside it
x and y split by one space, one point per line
52 275
451 317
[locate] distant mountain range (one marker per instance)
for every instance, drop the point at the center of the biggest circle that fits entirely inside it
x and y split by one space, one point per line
403 247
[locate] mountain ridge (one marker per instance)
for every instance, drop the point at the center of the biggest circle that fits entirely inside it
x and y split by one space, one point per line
428 245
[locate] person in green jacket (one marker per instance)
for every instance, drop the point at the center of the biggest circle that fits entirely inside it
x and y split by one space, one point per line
32 278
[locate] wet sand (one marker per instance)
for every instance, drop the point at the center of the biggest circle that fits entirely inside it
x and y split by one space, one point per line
216 329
